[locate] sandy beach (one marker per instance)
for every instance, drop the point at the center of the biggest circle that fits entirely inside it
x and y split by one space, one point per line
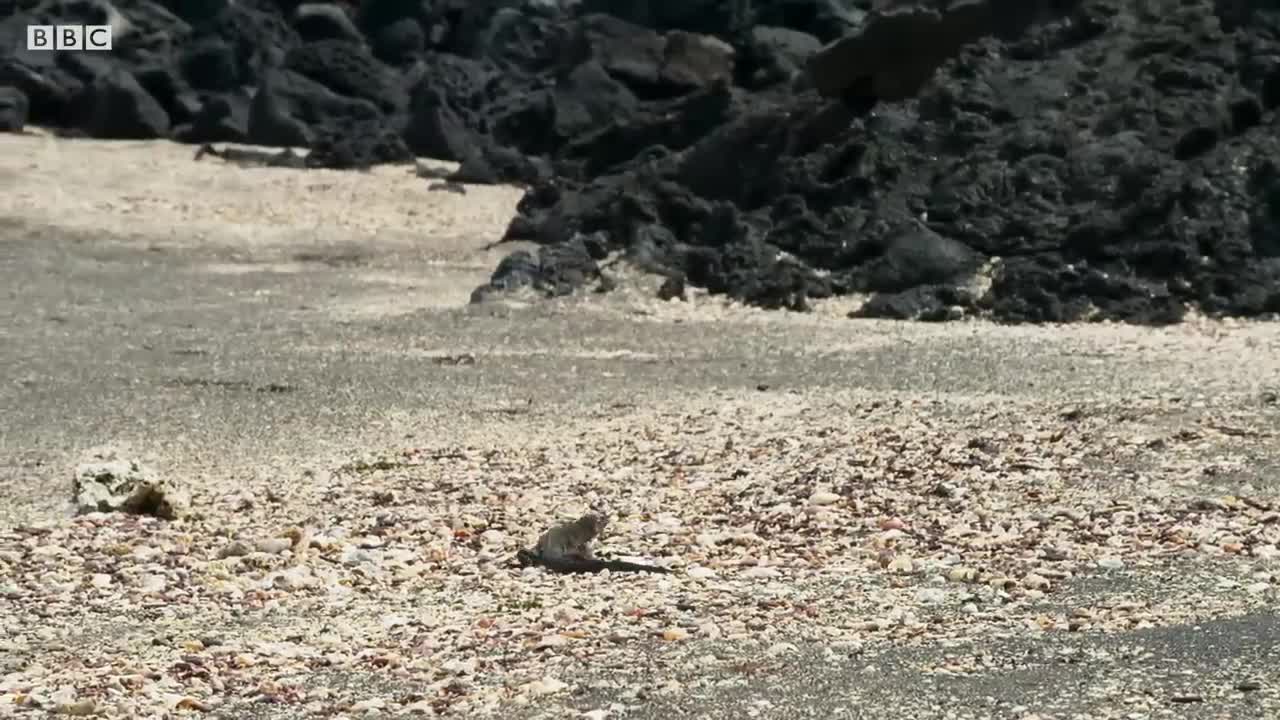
863 518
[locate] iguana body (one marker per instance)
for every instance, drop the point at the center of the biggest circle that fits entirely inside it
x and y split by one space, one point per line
566 548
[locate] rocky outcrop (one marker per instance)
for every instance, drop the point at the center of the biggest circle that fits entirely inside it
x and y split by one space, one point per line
1042 160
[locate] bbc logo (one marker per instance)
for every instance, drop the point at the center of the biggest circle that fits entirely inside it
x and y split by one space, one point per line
68 37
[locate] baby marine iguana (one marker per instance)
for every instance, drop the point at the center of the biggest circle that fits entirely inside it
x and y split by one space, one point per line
566 548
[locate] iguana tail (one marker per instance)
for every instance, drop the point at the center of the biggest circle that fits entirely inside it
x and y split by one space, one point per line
527 558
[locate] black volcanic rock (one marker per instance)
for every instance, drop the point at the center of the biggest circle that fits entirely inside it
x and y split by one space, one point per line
350 70
119 108
324 21
13 109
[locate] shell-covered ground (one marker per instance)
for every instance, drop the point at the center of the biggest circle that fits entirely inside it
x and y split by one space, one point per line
863 519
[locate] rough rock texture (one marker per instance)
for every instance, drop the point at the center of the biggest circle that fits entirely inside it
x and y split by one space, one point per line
13 109
897 50
1043 160
109 482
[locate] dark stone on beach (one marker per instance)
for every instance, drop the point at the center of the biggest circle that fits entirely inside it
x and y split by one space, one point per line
14 108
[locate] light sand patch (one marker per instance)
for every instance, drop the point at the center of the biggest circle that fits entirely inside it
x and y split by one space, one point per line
157 188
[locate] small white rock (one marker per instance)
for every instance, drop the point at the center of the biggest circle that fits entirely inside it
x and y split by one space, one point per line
545 686
273 546
552 641
422 707
295 578
152 583
461 667
674 634
709 630
237 548
79 707
931 596
824 498
707 539
902 564
782 648
1035 582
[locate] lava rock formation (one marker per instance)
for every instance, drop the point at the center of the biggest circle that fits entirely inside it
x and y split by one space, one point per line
1028 161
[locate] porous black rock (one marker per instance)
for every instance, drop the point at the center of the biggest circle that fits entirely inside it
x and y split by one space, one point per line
210 64
324 21
13 109
222 118
350 70
554 270
51 91
119 108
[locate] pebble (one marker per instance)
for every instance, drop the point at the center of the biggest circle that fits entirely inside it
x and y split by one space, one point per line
892 523
79 707
152 583
709 629
545 686
1035 582
352 555
673 634
782 648
1248 685
824 498
962 574
421 707
902 564
50 551
295 578
707 540
552 641
191 703
461 667
700 573
237 548
931 596
1056 553
1110 563
273 546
